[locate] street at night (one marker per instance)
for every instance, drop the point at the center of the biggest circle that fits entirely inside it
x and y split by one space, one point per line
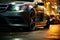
53 33
29 19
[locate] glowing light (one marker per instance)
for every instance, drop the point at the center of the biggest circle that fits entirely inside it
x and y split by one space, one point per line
17 8
17 39
48 3
53 32
53 7
13 3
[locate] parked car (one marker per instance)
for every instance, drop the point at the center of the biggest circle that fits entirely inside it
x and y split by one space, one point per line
54 19
21 14
42 19
17 15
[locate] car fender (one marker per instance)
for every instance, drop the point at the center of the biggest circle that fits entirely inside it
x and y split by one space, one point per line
32 8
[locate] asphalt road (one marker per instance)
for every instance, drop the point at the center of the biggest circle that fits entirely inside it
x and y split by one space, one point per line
53 33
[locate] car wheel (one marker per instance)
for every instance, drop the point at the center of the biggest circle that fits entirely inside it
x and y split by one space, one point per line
47 24
32 20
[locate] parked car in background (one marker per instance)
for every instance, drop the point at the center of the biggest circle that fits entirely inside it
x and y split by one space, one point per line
42 19
55 19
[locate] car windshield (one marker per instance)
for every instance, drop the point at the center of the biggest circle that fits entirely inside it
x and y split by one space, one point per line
16 8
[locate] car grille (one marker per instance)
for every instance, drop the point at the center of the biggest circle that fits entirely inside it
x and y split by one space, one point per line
3 7
15 19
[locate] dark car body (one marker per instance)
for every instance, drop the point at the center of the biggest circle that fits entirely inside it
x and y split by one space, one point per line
15 14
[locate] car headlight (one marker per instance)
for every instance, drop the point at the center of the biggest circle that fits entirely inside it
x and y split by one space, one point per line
16 8
13 3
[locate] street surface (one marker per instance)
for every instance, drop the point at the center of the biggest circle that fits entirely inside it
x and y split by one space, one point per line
53 33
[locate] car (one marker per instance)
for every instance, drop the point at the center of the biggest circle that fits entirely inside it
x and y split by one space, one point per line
54 19
17 15
42 19
21 14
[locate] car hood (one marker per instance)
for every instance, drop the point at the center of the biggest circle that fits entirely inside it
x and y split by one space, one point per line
12 13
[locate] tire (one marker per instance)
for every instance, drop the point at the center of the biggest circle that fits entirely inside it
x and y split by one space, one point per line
32 21
47 24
